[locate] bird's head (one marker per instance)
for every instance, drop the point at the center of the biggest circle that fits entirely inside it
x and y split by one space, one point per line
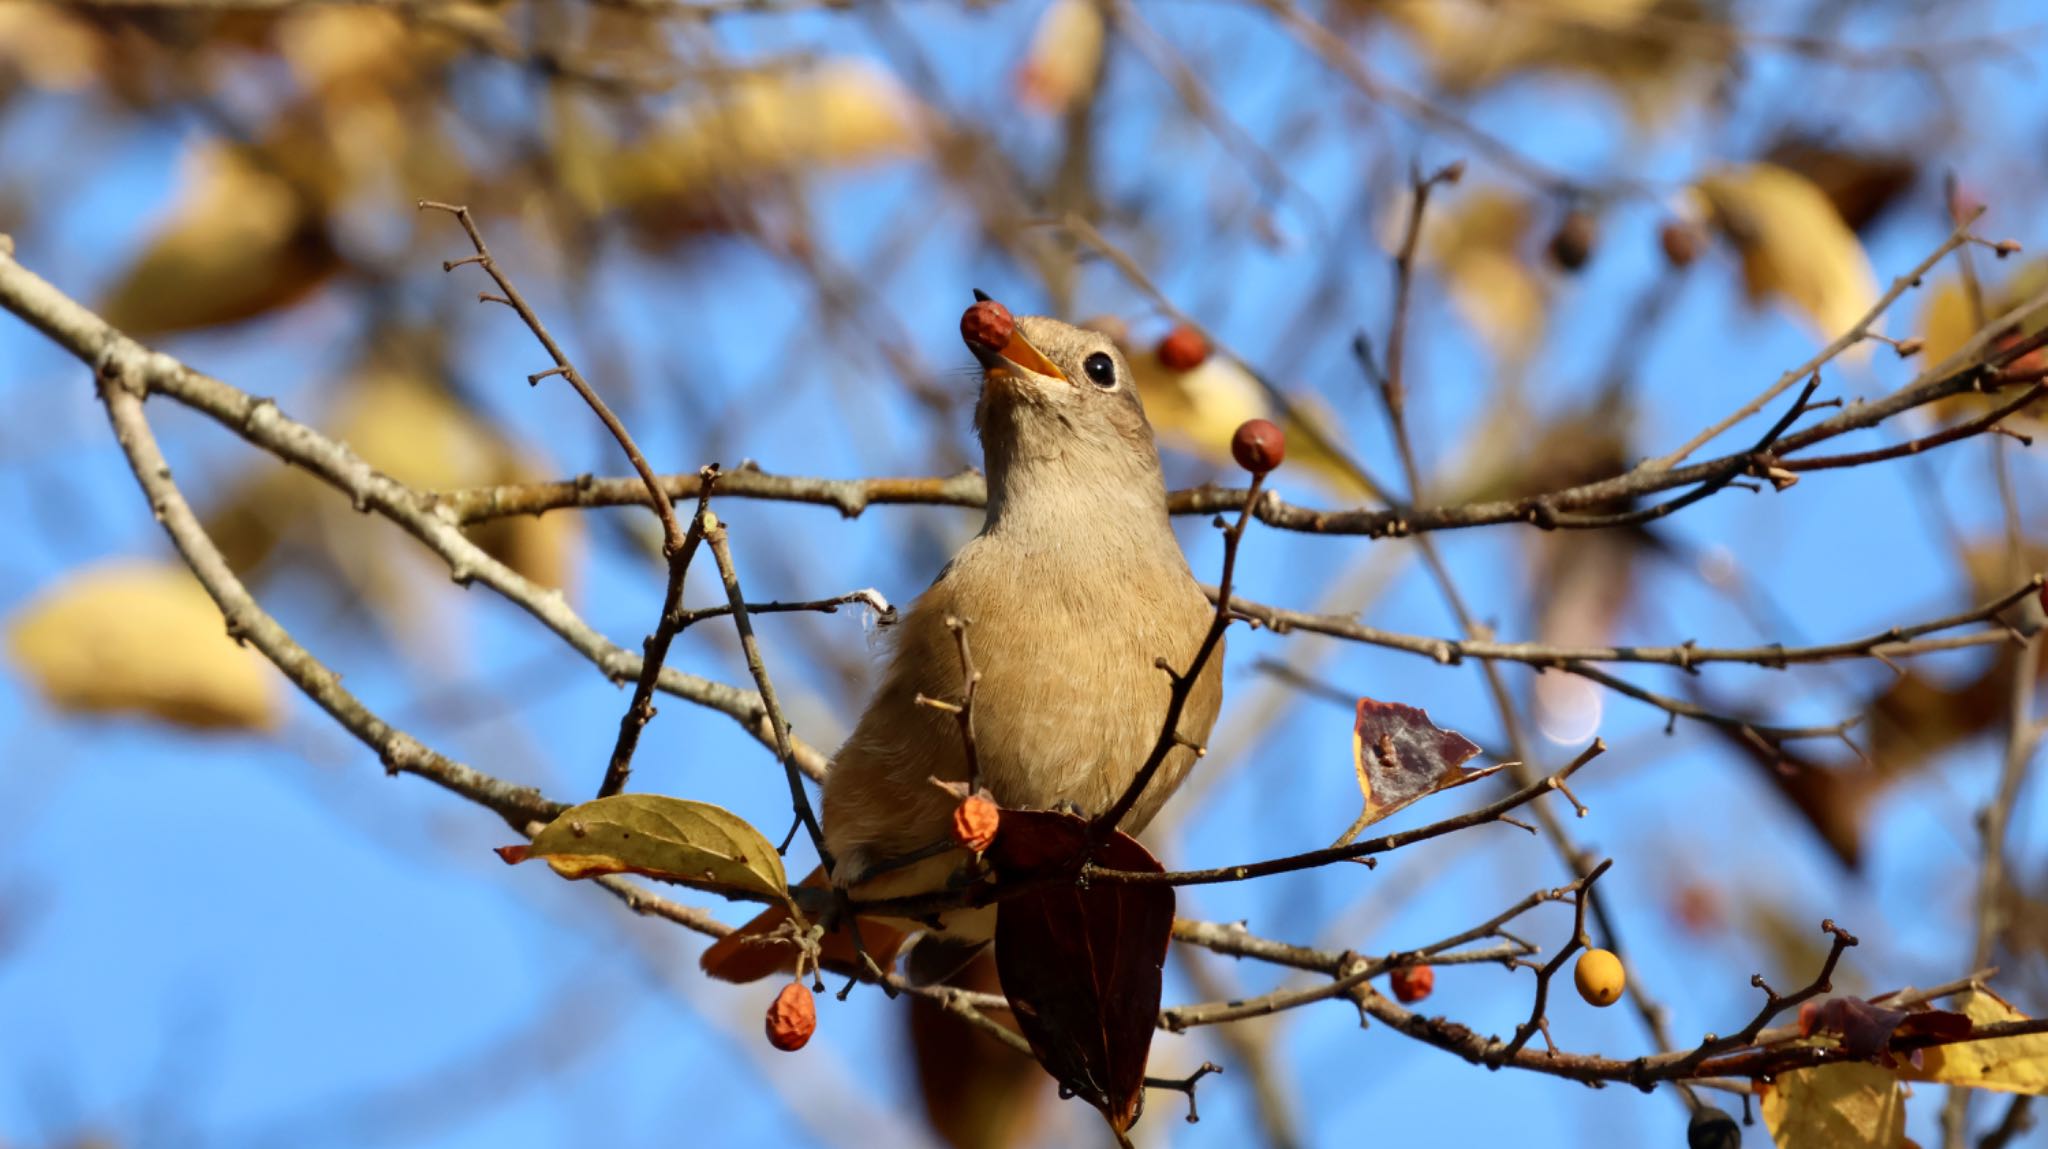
1059 408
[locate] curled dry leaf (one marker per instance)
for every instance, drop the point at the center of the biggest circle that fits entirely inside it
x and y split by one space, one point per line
675 839
1082 966
1402 757
1832 1106
136 637
1793 244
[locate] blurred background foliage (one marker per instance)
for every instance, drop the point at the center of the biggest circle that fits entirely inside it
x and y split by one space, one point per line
755 223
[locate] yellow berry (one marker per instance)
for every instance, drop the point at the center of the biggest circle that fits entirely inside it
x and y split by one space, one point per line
1599 978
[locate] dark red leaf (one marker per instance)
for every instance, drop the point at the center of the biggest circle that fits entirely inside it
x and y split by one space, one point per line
1081 967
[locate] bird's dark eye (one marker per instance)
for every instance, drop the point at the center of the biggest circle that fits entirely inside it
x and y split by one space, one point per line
1101 369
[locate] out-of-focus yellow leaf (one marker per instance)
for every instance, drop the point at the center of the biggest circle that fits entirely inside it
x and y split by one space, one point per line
1197 411
1065 58
238 243
1793 244
415 432
2007 1064
1655 56
1476 244
1845 1106
771 124
1948 321
134 637
51 48
336 47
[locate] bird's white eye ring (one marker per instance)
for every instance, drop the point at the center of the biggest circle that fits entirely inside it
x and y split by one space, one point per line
1100 369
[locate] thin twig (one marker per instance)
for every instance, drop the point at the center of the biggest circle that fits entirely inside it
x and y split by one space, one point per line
799 798
654 651
1183 681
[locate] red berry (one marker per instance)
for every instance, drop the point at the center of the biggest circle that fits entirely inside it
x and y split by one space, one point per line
975 821
1682 242
792 1018
1572 244
987 325
1183 349
1412 983
1258 446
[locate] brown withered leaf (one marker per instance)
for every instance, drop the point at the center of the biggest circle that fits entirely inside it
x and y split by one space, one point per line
1082 966
674 839
1867 1029
1401 757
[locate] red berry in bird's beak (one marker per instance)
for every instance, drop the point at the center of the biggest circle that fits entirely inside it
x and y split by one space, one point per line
988 325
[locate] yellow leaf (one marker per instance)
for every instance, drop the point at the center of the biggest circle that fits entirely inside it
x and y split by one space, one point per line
2006 1064
771 124
1655 56
51 48
1793 244
334 47
1845 1106
675 839
1948 321
238 244
134 637
1475 243
1065 58
1197 411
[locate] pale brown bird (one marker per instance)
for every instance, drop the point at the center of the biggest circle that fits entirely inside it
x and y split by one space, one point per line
1072 593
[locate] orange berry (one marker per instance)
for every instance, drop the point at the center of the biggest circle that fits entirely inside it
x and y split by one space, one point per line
792 1018
1412 983
1183 349
975 821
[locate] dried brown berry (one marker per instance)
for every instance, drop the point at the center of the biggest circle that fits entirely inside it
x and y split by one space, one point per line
1258 446
975 821
792 1018
1571 245
1682 242
1183 349
1412 983
987 325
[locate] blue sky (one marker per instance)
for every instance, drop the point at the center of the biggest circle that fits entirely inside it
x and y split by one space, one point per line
234 941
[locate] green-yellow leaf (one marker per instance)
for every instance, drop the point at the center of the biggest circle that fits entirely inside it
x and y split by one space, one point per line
1845 1106
2007 1064
674 839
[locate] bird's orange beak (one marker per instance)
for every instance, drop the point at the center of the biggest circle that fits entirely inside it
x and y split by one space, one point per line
1019 352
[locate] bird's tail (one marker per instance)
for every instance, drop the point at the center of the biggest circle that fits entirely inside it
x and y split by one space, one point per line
751 953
